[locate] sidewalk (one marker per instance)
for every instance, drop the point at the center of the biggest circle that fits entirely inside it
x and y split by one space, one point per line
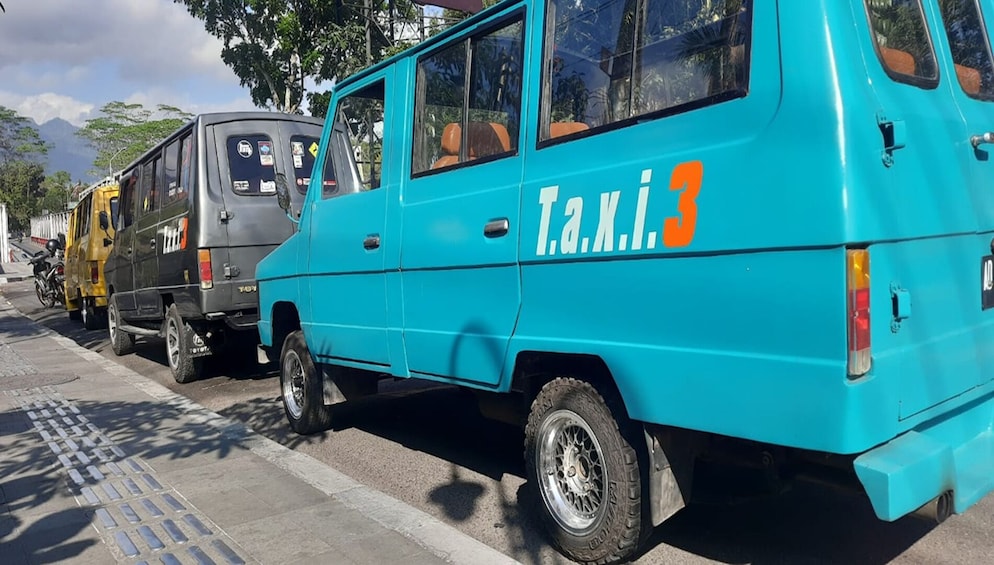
100 465
16 271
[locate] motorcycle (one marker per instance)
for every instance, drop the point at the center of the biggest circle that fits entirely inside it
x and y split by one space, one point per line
49 272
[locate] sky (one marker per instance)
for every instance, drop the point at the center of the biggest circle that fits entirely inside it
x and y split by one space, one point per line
67 58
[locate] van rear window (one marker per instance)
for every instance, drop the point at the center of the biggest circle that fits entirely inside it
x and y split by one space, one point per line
903 43
971 49
252 164
303 150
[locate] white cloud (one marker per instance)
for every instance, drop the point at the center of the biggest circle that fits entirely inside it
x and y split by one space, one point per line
65 58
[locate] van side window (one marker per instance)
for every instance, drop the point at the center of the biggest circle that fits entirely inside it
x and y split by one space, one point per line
170 174
968 41
251 164
186 164
360 125
303 150
129 192
83 222
149 185
608 62
446 133
114 209
903 44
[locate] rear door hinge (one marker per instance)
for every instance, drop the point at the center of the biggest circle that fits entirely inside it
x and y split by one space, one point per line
225 215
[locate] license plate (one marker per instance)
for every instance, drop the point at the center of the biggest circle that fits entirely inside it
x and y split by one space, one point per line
987 282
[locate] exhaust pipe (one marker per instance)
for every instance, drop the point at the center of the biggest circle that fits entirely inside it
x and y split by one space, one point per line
937 509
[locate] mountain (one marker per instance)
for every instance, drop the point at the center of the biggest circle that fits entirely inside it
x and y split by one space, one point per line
66 151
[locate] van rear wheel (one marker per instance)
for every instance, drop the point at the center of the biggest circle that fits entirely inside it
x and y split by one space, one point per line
121 342
185 368
585 472
300 386
88 312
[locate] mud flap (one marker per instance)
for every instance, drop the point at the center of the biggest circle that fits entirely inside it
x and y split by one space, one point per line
671 471
199 341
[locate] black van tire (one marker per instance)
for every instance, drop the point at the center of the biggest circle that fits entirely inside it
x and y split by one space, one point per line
300 388
185 369
569 419
120 341
88 312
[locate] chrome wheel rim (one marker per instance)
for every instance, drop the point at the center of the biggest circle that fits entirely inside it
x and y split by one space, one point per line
571 471
172 343
292 377
83 313
112 322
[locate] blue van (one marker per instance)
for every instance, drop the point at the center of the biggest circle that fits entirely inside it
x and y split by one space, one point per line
665 231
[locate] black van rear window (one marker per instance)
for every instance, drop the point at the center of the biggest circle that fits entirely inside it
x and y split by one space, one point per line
252 164
303 149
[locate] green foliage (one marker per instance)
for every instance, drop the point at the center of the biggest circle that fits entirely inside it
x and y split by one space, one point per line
18 138
273 46
21 191
125 131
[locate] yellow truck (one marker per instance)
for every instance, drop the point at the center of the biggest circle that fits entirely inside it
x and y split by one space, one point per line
88 242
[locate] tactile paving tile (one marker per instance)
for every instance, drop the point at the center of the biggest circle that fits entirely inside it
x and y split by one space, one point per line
139 517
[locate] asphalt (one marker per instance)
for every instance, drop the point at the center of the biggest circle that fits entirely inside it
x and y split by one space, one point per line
100 465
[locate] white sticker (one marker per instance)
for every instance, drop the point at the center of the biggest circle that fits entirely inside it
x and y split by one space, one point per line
241 185
245 149
297 147
267 187
298 161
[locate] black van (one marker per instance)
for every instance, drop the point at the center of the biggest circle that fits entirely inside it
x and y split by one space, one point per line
196 214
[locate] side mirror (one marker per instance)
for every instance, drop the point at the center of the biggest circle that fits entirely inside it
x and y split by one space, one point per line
282 192
104 220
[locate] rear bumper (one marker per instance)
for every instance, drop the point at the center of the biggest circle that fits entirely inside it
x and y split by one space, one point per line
952 453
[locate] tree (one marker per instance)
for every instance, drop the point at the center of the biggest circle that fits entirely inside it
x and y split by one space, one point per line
274 46
125 131
18 138
20 190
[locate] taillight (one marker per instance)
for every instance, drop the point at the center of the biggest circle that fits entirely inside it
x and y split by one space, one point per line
858 310
60 270
94 273
206 274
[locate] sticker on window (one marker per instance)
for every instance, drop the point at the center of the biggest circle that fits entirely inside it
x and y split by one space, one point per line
313 149
267 187
244 149
298 161
266 153
241 185
297 148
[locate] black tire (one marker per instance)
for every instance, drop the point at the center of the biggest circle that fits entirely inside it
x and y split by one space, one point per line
185 369
47 299
121 342
584 472
300 388
88 311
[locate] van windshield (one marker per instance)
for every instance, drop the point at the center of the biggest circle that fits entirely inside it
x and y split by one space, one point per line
252 164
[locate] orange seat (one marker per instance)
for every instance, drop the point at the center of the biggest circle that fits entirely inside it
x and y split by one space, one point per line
559 129
482 140
969 79
898 61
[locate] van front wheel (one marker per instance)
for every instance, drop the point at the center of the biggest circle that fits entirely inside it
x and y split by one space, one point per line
121 342
300 385
185 368
584 472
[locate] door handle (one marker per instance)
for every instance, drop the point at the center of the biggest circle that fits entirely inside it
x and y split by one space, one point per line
977 140
496 228
371 242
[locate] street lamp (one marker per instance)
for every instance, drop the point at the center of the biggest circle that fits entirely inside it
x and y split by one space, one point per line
110 162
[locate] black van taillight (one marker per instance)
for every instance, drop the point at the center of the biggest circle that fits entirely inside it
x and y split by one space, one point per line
206 274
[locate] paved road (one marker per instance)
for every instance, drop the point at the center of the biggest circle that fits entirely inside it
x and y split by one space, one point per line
427 446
